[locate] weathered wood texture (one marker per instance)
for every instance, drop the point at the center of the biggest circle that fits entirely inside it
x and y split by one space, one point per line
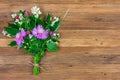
89 47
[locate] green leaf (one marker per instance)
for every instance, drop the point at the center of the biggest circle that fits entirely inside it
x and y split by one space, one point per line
13 25
41 17
21 12
32 22
34 53
51 46
42 54
48 19
13 43
40 22
56 26
11 31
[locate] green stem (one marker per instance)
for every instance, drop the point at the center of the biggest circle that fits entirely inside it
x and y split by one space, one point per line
65 15
37 58
36 69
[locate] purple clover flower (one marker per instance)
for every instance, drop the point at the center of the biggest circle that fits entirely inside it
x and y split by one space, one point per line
39 32
19 38
17 17
51 33
27 32
26 13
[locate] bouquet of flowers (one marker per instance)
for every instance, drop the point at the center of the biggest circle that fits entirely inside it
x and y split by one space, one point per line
34 32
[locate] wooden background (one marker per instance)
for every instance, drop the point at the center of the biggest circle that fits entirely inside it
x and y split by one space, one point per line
89 47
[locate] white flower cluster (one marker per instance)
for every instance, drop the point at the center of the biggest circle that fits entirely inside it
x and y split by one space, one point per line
36 11
55 36
18 21
20 17
30 36
55 19
5 33
13 15
49 41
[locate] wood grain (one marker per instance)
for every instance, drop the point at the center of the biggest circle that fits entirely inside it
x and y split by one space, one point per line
89 47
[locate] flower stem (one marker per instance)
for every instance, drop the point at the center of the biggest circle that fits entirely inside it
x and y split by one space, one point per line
36 69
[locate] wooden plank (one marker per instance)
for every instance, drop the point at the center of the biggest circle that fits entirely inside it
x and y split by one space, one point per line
89 34
7 51
59 59
27 69
79 17
89 47
77 42
64 1
99 15
59 76
81 1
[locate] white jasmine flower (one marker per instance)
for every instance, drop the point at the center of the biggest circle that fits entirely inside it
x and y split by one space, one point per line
56 42
36 11
4 32
50 18
27 43
30 36
20 28
52 23
8 35
21 16
36 15
17 20
54 34
49 41
13 15
55 19
58 35
20 23
25 47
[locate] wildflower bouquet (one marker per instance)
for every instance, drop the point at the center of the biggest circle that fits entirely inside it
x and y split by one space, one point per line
34 32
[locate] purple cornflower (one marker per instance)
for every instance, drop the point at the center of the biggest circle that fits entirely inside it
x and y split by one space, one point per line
23 33
19 36
39 32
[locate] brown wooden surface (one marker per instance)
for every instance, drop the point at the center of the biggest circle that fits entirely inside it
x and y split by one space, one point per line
89 47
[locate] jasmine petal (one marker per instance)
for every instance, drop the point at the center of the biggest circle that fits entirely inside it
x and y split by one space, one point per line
13 15
4 32
36 11
30 36
8 35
